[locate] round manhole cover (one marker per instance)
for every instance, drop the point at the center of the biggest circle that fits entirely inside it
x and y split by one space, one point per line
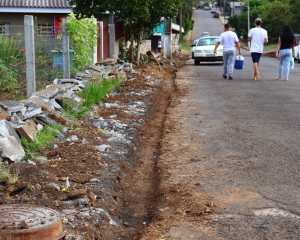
28 222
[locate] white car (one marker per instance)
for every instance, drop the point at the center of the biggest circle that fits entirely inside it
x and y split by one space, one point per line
193 47
204 50
297 48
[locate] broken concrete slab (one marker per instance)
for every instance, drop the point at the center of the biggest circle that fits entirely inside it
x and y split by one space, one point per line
49 92
42 102
4 116
31 109
44 120
11 106
28 131
6 129
108 61
10 148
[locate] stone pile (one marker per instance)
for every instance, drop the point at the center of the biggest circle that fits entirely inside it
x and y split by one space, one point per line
26 117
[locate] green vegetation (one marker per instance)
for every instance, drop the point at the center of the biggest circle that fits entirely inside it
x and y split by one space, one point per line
9 49
83 39
269 47
7 175
186 46
43 138
93 94
275 15
9 54
8 78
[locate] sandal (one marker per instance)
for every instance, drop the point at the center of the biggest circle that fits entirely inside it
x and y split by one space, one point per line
278 78
286 79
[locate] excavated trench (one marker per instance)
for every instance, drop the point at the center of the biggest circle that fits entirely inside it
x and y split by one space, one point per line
141 187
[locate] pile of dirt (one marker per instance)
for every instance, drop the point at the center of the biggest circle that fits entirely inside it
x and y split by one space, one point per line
90 175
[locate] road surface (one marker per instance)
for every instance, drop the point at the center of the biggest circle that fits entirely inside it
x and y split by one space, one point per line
232 154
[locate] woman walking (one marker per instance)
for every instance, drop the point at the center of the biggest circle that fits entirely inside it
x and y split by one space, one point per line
285 51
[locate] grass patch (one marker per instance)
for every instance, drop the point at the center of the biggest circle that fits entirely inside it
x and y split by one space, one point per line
93 94
43 138
270 47
7 175
186 46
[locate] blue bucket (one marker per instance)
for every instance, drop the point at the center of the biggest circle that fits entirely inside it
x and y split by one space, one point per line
239 62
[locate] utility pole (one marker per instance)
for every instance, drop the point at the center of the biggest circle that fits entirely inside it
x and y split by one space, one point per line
248 20
180 29
224 10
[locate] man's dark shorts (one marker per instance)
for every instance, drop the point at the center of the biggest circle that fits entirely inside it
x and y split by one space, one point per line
255 57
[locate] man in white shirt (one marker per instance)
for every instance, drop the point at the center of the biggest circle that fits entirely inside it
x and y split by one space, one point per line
229 40
257 36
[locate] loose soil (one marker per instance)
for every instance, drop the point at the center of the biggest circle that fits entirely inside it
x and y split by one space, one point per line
131 189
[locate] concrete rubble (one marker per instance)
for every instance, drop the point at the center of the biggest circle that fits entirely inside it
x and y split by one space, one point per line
26 117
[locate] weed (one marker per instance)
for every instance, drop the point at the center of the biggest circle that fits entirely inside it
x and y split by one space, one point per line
91 95
186 46
43 138
71 109
9 49
8 79
7 175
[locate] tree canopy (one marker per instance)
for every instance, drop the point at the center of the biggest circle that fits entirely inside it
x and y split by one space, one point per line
275 14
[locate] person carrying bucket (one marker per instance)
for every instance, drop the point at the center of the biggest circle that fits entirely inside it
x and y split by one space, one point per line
229 40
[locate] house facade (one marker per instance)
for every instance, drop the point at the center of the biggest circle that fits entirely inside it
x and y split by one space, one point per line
48 15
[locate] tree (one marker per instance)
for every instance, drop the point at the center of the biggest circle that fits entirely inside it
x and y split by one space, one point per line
278 15
187 14
140 16
295 15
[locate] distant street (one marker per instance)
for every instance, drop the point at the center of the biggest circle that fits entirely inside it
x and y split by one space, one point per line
235 148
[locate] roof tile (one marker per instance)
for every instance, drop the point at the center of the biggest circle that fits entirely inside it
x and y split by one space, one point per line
36 3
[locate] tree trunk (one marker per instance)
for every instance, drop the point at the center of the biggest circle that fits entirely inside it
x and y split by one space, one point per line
139 47
131 48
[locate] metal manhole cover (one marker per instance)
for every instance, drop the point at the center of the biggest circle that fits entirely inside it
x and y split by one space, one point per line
20 222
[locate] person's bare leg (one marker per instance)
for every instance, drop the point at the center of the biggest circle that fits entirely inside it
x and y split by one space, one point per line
256 72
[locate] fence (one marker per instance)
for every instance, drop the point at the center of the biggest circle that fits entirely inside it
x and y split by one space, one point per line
31 57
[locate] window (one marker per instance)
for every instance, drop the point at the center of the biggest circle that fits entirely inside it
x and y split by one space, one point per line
45 30
4 28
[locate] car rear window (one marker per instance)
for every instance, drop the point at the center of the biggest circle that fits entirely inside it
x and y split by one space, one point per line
207 41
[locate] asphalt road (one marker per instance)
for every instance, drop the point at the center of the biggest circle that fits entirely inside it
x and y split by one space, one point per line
248 136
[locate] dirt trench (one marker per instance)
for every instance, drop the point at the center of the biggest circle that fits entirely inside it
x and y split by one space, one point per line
141 192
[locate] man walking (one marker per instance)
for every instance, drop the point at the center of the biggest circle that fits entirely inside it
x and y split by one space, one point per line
257 37
229 40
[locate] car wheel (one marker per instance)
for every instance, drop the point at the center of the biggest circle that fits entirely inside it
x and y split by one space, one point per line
298 60
192 55
196 62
